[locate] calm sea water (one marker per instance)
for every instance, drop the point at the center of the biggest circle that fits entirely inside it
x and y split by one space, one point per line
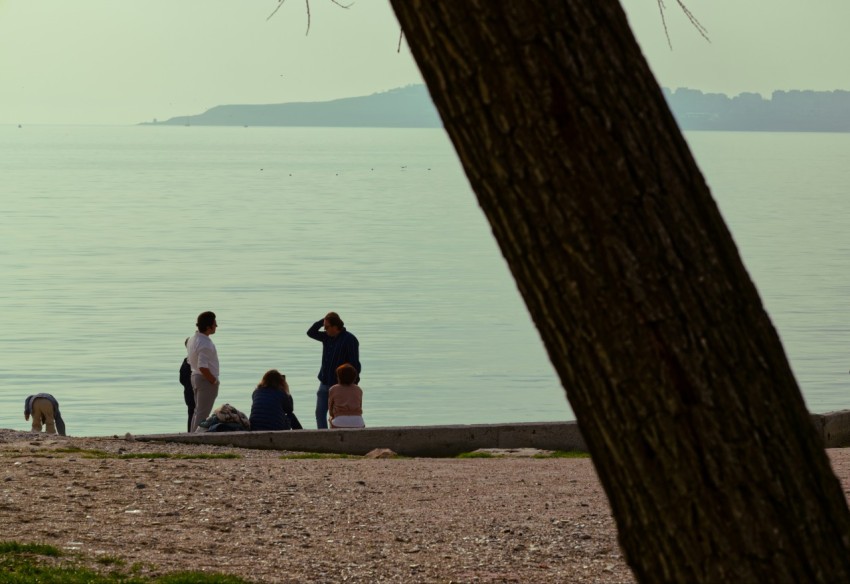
115 238
786 199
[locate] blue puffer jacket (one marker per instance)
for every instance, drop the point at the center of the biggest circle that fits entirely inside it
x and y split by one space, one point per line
270 409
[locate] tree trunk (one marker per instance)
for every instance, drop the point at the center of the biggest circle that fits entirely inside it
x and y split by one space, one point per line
676 375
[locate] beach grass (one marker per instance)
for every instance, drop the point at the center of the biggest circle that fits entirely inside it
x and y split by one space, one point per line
24 563
91 453
477 454
14 547
563 454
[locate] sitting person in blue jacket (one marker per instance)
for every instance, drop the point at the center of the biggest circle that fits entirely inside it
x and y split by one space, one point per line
271 404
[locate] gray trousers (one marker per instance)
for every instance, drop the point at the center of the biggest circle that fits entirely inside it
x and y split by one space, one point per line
205 394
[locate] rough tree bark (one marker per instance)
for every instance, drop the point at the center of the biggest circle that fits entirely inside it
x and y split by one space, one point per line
677 378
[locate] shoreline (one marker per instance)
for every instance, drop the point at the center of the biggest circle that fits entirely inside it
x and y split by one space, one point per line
271 519
435 440
273 516
415 441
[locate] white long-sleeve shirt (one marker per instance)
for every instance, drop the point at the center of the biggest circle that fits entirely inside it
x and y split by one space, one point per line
202 353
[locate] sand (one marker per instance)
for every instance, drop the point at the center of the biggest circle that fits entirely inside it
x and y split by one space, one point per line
272 519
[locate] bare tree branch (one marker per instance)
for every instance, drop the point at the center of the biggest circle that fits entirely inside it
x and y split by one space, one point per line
280 3
307 2
687 11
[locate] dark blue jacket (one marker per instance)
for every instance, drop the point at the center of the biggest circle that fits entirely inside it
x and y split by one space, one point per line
343 348
270 409
186 376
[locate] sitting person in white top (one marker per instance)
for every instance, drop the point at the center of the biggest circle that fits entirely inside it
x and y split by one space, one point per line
345 399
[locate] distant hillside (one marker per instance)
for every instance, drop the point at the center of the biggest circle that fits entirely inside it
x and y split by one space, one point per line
785 111
406 107
411 107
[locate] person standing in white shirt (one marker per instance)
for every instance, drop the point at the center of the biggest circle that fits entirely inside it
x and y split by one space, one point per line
203 359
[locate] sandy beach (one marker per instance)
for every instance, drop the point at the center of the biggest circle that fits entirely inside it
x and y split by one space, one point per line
272 519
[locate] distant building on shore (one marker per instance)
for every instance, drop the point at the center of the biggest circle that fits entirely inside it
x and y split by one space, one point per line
785 111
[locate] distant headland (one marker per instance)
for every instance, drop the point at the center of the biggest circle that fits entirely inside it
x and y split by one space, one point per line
785 111
405 107
411 107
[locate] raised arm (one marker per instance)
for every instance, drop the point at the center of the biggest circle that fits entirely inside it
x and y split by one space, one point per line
314 333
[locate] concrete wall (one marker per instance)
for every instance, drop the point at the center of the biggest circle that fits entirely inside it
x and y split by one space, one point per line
834 428
405 440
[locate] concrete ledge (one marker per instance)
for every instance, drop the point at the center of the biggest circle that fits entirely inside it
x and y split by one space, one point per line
431 441
834 428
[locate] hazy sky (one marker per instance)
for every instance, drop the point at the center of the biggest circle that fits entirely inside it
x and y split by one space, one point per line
756 45
127 61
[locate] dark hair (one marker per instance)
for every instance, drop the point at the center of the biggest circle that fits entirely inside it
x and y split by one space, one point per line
275 380
205 321
334 320
346 374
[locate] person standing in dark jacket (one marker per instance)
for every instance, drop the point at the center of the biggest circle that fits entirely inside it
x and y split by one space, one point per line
188 392
271 404
338 347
